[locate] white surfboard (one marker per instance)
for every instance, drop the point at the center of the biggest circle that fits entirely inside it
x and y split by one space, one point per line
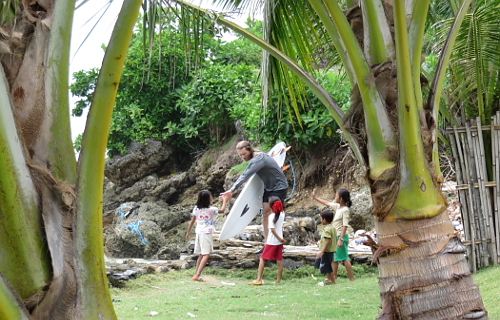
249 202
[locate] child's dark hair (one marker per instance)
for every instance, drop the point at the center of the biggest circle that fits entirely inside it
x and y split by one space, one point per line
277 206
327 214
203 199
346 196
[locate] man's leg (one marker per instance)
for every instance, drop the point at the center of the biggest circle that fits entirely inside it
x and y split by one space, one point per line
265 219
266 211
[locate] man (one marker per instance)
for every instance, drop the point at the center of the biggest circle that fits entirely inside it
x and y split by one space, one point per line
264 166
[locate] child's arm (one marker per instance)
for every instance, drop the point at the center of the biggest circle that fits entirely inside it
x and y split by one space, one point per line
327 243
224 202
313 195
282 240
342 234
191 223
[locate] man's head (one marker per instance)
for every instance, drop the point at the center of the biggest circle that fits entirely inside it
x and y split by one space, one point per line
245 150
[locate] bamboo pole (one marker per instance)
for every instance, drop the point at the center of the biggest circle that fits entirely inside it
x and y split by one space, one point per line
495 141
489 194
469 163
456 152
486 217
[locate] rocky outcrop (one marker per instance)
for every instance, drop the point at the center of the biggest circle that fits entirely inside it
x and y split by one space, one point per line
140 160
149 189
148 199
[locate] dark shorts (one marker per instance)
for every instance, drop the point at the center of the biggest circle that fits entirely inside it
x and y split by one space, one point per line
272 252
277 193
324 264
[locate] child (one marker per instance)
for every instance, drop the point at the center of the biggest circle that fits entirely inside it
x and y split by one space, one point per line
204 216
324 259
340 221
273 250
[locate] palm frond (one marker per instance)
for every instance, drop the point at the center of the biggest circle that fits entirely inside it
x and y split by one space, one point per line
475 57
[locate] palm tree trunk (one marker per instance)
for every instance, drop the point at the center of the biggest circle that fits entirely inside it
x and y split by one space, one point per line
424 273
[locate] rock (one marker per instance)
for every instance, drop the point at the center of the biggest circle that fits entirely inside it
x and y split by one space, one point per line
140 160
361 209
148 189
134 238
162 269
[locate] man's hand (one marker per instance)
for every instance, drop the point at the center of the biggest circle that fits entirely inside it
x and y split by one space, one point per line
228 194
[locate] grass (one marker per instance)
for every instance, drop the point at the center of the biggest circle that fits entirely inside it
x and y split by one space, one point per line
174 295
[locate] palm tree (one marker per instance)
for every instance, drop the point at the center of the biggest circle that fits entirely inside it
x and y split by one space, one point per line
50 206
392 128
473 69
52 264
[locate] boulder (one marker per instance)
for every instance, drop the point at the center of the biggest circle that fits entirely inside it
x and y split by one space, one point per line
133 238
148 189
140 160
361 209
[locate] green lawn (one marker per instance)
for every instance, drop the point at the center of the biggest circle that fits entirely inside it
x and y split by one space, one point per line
174 296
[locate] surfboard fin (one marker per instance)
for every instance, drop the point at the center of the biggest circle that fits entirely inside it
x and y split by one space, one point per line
281 151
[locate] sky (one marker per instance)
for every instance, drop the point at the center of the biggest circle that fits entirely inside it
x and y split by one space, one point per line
88 34
86 52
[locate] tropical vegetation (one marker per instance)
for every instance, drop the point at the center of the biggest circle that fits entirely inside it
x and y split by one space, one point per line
51 205
197 104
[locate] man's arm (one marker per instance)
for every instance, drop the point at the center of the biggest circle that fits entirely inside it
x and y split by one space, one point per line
253 166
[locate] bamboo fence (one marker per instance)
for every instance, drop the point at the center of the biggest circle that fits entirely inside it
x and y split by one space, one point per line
474 151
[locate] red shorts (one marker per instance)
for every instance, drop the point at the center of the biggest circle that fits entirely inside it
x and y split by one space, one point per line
272 252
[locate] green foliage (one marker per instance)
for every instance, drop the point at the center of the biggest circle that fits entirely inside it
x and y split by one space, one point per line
78 143
270 273
213 101
83 87
167 96
240 50
318 125
238 169
164 96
